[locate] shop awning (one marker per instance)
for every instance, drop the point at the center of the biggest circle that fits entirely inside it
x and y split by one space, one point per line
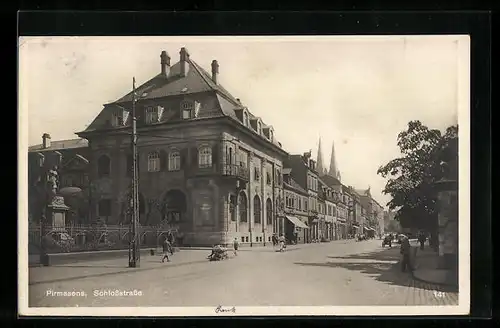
297 222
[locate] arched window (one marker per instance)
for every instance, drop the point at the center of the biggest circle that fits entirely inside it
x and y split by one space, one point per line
154 161
269 211
103 166
242 207
205 157
256 210
174 161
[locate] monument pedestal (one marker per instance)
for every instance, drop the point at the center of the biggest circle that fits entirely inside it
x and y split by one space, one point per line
56 213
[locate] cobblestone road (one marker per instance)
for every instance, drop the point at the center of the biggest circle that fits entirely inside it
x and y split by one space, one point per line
336 273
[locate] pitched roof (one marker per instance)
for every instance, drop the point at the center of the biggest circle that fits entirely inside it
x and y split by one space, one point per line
362 192
294 185
196 80
60 145
330 181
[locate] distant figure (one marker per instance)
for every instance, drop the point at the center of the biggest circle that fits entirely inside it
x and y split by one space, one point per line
282 243
405 251
167 248
235 246
275 240
422 238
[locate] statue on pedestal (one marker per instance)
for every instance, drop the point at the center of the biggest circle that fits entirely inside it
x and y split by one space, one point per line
52 180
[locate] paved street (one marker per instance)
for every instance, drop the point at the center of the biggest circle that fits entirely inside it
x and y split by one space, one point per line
336 273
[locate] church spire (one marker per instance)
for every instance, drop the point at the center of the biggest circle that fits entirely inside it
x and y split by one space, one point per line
319 159
334 172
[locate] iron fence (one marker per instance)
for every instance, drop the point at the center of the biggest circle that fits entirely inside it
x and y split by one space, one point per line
79 238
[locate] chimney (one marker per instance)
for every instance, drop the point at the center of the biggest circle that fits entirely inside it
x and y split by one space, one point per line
215 70
184 64
165 64
46 140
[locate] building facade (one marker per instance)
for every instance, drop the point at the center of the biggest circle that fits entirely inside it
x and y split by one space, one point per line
296 210
303 170
70 159
208 168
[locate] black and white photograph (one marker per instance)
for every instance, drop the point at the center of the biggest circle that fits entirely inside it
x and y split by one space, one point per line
244 175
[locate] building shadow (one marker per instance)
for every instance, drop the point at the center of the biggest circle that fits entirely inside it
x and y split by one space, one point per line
382 265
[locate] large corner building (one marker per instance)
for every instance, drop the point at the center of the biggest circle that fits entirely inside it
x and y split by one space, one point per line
207 166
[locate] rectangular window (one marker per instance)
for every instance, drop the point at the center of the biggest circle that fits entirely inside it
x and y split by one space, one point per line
246 239
186 114
154 162
242 239
151 115
116 119
268 180
174 161
256 174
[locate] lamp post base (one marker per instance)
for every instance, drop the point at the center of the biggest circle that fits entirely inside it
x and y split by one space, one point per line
133 264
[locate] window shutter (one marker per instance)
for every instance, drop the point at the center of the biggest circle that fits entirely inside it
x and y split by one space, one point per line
215 154
163 160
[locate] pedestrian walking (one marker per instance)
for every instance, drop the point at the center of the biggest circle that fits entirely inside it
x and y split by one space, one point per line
235 246
275 240
167 248
405 252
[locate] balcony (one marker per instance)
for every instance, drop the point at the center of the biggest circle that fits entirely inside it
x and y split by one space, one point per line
236 171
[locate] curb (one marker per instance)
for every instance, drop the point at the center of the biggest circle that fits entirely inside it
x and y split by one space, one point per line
443 284
114 273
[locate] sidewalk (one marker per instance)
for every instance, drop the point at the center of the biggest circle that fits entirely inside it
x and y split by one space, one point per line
269 247
426 268
87 269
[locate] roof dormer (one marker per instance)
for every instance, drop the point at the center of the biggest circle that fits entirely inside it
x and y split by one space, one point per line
256 124
119 116
242 115
269 132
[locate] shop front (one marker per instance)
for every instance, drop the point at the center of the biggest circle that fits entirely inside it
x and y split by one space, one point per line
296 231
313 229
369 232
341 229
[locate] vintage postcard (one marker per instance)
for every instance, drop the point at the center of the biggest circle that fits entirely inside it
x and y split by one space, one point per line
230 176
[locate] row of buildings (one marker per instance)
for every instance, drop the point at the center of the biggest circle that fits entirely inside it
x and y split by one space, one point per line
208 168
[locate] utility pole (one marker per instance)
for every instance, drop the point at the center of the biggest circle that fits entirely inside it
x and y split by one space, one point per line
134 250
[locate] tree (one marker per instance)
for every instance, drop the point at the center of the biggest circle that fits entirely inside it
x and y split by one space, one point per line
426 155
393 226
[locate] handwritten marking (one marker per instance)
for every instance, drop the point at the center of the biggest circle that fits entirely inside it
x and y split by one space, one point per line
220 309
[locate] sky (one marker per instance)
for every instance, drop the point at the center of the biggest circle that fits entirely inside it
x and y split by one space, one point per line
356 92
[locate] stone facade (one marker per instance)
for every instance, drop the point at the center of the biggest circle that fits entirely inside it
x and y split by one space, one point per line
207 167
